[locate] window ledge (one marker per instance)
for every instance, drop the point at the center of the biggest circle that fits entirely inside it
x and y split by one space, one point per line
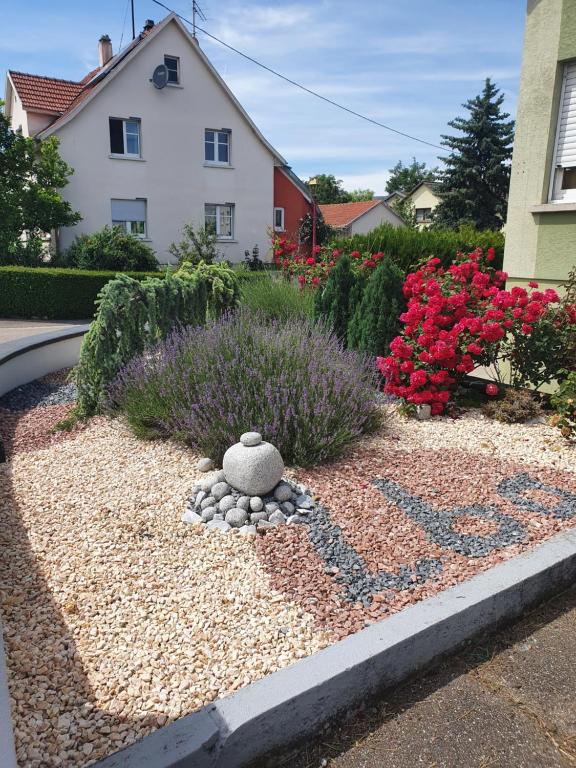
225 240
174 85
553 208
127 157
219 165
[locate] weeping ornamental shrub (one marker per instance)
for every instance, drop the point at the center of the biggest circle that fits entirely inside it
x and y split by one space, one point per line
376 319
284 378
133 316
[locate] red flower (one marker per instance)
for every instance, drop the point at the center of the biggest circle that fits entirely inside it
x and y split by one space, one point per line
490 254
315 281
533 284
491 390
301 280
355 255
316 249
310 261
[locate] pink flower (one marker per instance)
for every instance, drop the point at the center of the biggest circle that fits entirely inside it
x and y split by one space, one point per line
491 390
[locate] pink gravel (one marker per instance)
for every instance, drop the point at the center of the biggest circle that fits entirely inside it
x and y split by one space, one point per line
23 431
386 538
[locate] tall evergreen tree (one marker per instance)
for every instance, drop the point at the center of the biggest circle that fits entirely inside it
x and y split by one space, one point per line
474 183
336 302
403 177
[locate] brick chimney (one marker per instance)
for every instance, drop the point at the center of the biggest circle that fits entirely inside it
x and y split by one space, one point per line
104 50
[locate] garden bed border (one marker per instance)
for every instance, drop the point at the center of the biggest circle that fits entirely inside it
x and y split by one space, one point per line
289 705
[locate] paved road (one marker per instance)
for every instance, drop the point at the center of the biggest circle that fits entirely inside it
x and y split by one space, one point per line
10 330
508 701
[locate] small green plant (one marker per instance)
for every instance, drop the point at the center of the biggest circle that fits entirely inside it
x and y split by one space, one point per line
514 406
279 299
197 244
376 319
564 403
111 248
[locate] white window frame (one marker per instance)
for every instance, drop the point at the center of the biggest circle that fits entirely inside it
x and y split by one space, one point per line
281 227
177 60
125 121
427 216
216 142
219 207
556 193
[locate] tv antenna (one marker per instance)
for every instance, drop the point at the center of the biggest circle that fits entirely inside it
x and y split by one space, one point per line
133 25
196 11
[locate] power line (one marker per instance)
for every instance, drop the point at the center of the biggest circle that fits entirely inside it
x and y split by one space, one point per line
299 85
123 24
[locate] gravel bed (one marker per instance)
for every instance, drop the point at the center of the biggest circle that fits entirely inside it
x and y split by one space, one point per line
418 509
117 617
53 389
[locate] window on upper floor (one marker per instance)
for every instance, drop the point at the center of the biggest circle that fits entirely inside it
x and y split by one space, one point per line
423 214
130 215
279 219
563 181
125 136
217 146
219 218
172 64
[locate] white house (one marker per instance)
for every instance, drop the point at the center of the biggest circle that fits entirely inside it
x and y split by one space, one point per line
151 159
360 217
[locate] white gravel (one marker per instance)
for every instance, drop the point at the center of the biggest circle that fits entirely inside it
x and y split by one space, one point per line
117 616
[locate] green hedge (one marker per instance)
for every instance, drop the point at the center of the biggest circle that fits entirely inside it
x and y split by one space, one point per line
406 247
54 293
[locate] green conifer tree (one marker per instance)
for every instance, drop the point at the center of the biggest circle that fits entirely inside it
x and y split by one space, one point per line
335 303
376 319
474 184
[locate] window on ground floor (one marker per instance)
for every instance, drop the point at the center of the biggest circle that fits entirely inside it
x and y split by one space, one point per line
220 219
131 216
279 219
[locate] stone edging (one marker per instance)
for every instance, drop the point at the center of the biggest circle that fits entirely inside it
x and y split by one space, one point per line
291 704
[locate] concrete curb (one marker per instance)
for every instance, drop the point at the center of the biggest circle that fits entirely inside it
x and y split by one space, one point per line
291 704
23 360
7 749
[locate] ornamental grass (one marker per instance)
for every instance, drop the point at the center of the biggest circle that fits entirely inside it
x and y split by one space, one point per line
289 379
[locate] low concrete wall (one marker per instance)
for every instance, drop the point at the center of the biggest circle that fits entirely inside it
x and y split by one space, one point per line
26 359
291 704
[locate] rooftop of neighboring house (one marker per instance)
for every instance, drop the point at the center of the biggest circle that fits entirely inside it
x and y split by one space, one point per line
339 215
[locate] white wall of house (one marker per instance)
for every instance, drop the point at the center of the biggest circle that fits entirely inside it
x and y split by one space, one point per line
380 214
171 174
423 197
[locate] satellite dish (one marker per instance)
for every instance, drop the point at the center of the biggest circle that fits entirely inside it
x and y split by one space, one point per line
160 76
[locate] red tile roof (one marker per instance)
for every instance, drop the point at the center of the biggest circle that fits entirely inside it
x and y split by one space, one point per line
45 94
341 214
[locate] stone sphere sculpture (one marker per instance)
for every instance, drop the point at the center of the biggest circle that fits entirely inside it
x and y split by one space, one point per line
253 466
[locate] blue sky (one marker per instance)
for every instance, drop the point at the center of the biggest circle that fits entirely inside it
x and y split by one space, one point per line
409 65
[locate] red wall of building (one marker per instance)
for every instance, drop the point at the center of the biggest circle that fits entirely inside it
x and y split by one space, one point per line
289 197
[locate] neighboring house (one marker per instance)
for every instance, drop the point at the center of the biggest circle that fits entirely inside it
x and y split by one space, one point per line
292 202
541 222
151 159
424 197
359 218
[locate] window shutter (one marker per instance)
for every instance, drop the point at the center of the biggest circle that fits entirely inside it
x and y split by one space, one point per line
129 210
566 146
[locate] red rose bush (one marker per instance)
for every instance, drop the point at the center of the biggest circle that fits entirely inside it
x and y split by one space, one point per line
457 318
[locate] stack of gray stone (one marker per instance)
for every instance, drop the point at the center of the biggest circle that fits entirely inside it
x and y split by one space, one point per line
248 493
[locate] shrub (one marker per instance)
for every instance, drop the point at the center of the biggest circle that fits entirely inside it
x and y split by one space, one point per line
221 281
53 293
376 319
287 379
515 406
408 247
132 316
196 245
564 403
457 319
110 248
336 302
277 298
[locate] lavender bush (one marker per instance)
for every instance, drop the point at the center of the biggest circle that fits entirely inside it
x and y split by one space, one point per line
289 379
